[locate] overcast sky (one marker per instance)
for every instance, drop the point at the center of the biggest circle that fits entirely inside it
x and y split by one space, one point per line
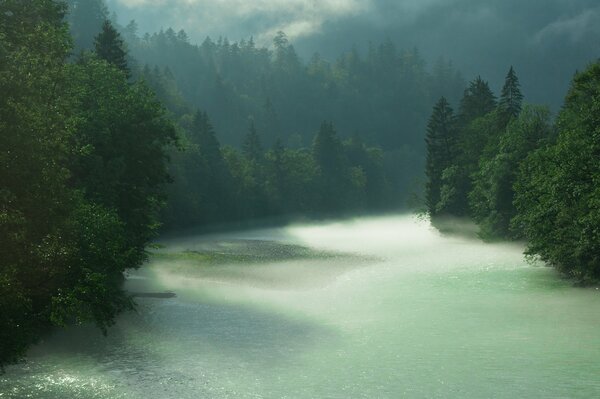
302 18
480 36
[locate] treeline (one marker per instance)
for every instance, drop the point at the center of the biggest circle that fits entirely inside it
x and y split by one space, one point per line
217 184
82 174
382 95
382 98
518 174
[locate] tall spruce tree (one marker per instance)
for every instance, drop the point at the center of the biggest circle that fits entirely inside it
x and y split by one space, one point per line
252 146
477 126
441 142
511 98
478 100
109 46
85 19
202 133
329 156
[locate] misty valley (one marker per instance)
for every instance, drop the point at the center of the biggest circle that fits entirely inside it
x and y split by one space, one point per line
372 307
339 204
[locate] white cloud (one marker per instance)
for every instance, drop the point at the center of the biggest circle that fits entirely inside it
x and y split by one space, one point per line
261 18
575 28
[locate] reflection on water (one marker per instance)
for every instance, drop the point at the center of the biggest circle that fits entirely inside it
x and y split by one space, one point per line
379 307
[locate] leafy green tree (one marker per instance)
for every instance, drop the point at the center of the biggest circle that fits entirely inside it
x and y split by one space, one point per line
557 192
124 132
34 198
109 46
492 197
83 170
441 143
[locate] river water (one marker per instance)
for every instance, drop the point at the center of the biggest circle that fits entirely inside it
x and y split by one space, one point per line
367 308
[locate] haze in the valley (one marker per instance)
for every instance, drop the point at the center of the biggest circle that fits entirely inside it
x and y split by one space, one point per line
546 41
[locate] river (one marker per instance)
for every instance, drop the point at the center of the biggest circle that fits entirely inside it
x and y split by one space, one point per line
368 308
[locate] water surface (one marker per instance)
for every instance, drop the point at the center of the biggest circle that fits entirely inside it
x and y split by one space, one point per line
368 308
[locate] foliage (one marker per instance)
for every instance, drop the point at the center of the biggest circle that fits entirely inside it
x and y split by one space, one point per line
441 143
383 95
493 193
219 184
558 195
511 98
108 46
82 169
85 18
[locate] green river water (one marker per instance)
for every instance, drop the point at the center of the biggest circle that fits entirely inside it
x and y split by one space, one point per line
369 308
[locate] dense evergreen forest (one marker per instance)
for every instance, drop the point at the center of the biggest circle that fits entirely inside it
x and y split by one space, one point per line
519 174
108 136
251 122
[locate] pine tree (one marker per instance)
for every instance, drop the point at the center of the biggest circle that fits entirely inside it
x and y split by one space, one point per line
203 134
85 19
252 147
110 47
511 98
327 150
329 157
478 100
441 142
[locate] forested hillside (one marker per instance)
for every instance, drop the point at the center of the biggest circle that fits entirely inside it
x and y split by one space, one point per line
518 173
375 105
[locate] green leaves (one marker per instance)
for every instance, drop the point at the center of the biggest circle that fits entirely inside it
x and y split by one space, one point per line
557 190
83 169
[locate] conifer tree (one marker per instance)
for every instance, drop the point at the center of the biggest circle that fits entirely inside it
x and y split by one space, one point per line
202 134
329 157
110 47
478 100
85 19
252 146
440 140
511 98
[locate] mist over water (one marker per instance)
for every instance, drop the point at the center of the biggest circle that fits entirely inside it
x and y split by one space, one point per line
367 308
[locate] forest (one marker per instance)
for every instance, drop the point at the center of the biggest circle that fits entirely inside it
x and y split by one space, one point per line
110 138
520 174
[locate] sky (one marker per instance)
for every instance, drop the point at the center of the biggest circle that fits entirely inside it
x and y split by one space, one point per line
480 36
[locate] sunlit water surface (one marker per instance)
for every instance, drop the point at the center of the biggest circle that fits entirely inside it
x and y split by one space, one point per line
400 311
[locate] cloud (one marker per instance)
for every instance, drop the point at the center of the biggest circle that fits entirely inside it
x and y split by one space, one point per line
574 28
261 18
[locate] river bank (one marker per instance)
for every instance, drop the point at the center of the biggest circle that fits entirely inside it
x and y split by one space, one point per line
375 307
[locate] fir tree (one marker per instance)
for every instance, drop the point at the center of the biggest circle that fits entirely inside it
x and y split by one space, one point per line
85 19
252 147
110 47
511 98
441 140
203 134
329 157
478 100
